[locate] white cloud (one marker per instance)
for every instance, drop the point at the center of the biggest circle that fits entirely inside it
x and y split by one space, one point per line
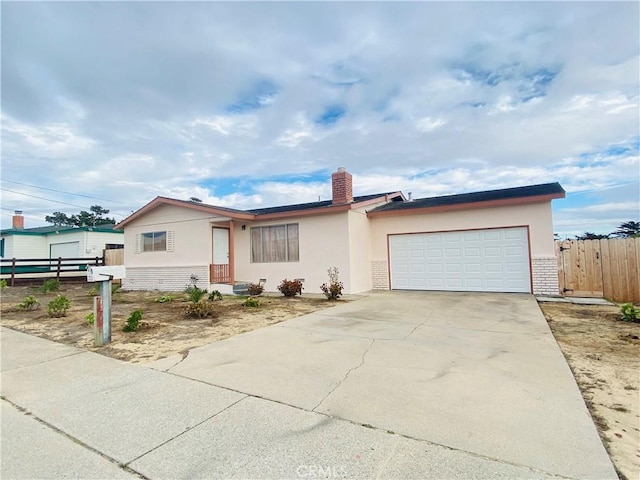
438 98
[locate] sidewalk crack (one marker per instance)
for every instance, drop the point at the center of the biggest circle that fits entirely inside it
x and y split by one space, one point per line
346 375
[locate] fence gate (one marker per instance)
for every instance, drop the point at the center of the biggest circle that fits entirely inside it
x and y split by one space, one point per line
600 268
580 268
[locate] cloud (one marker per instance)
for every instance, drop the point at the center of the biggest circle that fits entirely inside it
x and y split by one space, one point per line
235 102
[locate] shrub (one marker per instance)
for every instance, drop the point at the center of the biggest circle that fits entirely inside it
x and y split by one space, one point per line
3 284
58 306
91 318
251 302
133 322
255 289
194 293
200 309
215 295
29 303
164 299
50 285
629 313
115 288
334 289
290 288
93 291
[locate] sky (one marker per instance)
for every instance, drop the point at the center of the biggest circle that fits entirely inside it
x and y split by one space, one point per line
254 104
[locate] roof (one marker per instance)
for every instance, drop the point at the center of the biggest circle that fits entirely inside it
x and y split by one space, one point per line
106 228
314 205
312 208
515 195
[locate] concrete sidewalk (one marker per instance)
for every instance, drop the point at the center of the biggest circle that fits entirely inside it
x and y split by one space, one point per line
371 389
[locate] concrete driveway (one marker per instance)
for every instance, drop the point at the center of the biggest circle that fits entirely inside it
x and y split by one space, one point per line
394 385
480 373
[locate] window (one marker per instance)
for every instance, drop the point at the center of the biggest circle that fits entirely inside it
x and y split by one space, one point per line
277 243
154 242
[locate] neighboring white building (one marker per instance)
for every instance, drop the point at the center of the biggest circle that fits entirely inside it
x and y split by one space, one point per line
497 240
53 242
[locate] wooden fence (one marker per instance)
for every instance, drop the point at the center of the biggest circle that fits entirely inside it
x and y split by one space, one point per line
114 257
607 268
46 267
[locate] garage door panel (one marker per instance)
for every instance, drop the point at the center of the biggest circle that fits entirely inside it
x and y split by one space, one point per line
472 252
492 251
480 260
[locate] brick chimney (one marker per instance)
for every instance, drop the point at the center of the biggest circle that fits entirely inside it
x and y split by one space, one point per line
342 186
18 220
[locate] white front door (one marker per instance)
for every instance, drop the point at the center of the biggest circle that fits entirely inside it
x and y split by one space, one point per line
220 246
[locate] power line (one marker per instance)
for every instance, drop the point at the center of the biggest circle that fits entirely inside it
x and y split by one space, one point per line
62 191
42 198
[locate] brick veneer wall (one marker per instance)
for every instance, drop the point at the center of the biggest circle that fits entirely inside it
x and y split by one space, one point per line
544 271
169 279
379 275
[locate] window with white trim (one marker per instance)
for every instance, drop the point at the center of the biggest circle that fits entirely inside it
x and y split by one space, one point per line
155 242
275 243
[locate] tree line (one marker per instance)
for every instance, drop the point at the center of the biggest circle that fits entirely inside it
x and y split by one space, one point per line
94 217
628 229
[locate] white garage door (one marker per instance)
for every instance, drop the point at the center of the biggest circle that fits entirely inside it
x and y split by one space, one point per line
65 250
495 260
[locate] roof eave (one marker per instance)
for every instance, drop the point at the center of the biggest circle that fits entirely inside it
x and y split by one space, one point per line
342 207
503 202
156 202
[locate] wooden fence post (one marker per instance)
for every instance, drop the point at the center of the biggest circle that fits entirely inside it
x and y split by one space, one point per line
13 271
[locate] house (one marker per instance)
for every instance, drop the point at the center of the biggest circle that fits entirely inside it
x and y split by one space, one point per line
497 241
56 241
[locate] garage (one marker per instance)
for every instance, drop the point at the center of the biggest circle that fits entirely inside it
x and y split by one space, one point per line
65 250
491 260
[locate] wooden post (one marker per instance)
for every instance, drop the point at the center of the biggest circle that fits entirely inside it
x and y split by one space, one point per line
59 265
102 314
13 271
97 321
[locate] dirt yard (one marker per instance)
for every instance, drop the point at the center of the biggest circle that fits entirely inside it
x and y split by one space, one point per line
604 354
164 331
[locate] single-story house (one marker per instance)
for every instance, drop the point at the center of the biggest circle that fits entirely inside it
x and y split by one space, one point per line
495 241
57 241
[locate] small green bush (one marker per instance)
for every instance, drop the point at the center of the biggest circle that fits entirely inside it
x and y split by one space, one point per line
29 303
58 306
251 302
133 322
164 299
630 313
333 290
254 289
200 309
215 296
115 288
91 318
3 284
194 293
93 291
290 288
50 285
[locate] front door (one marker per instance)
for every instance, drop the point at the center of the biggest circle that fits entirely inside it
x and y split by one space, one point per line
220 255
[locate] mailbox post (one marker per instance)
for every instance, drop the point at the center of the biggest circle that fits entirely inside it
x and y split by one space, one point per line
102 304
